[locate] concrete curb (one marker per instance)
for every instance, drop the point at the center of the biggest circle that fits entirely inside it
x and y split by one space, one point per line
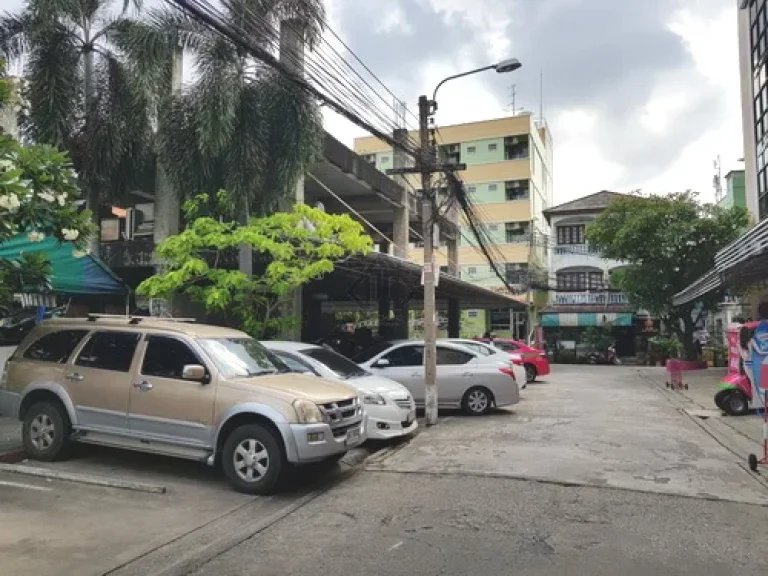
83 479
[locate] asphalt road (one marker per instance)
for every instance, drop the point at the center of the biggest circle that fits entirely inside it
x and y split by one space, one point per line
595 472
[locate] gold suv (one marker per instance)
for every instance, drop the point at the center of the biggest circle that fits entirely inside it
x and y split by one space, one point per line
181 389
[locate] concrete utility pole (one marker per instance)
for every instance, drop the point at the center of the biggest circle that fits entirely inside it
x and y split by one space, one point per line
427 164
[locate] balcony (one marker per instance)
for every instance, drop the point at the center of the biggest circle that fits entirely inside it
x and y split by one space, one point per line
590 299
581 249
580 255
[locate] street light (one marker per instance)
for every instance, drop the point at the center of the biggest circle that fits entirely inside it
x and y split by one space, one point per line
428 165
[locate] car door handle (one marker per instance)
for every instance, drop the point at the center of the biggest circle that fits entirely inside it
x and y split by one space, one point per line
75 377
144 386
468 374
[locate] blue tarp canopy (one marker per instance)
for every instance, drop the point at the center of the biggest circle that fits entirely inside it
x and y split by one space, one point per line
86 275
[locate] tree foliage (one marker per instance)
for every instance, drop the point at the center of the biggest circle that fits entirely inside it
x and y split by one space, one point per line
38 190
239 125
297 247
668 242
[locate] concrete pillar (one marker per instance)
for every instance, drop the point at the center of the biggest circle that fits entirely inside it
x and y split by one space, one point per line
292 56
401 232
453 257
454 318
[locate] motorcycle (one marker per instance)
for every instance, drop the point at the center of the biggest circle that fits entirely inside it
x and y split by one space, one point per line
607 357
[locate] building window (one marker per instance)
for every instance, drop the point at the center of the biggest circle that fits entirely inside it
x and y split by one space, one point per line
580 281
471 270
516 273
492 187
385 159
516 232
450 153
516 189
471 149
492 147
570 234
370 158
443 269
472 189
516 147
472 314
493 227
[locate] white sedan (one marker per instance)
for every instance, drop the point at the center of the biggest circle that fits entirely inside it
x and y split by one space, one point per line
492 354
390 407
464 379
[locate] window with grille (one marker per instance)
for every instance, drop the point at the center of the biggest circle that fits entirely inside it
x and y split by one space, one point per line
516 232
571 234
576 281
516 189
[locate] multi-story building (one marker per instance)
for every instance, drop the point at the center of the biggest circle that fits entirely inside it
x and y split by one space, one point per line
509 179
753 49
579 281
735 193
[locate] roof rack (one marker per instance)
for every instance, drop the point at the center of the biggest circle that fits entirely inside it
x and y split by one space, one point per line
135 319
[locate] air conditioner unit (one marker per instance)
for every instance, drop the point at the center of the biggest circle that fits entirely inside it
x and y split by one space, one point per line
513 184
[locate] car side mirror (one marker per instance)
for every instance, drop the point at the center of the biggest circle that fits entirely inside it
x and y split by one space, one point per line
194 372
381 363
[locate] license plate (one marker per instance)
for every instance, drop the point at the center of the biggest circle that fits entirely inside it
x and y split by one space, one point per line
353 436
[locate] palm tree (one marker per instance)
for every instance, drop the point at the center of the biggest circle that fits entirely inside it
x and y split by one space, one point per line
83 94
239 125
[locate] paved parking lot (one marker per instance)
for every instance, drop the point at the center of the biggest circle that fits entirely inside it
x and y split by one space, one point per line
589 425
61 527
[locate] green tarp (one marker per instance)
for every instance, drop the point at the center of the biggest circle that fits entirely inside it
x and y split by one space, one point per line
86 275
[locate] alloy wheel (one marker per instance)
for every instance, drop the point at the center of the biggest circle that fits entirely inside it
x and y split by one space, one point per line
477 401
251 460
42 432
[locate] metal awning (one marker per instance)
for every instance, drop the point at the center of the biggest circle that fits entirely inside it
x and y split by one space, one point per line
744 260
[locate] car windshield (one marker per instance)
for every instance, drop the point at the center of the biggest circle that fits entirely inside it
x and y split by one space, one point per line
242 357
481 349
369 353
342 367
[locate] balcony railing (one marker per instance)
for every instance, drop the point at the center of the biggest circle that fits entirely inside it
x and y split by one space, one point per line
578 249
590 298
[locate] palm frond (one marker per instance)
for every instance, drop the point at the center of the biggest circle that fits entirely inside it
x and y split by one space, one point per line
55 87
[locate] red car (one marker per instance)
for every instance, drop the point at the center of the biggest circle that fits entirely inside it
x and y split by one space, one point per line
535 361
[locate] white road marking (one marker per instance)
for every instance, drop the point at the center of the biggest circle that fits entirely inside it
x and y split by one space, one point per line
27 486
395 546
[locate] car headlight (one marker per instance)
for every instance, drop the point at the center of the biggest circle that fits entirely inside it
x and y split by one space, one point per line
308 412
373 398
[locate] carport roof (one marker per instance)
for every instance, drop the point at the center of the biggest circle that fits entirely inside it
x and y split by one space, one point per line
354 272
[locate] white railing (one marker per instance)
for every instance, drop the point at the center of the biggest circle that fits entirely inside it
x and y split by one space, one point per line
582 249
590 298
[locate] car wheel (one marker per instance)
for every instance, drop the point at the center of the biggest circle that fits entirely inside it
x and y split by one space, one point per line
736 403
530 373
46 432
477 401
252 459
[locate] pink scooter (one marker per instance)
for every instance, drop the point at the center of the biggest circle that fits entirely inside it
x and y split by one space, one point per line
735 392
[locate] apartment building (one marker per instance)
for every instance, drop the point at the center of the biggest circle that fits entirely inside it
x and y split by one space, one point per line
581 295
509 178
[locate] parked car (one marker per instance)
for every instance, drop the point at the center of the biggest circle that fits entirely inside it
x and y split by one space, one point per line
179 389
491 354
464 380
390 407
533 360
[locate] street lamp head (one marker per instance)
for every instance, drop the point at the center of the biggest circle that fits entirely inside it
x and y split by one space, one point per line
509 65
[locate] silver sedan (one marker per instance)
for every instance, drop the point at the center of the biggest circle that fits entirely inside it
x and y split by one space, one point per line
464 379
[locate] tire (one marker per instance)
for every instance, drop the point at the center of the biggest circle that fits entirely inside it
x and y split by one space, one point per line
720 398
46 432
530 373
477 401
736 403
252 451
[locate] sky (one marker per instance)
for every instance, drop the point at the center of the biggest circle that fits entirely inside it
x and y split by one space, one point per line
638 94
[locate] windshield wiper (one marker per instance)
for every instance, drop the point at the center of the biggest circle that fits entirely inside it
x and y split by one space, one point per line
260 373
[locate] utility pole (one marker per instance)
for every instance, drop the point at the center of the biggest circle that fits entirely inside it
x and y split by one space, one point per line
426 165
531 244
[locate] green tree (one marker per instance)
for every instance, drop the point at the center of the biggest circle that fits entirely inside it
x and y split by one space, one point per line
668 242
38 190
81 92
296 247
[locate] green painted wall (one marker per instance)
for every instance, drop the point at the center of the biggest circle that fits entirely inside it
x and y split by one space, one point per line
487 192
483 151
735 190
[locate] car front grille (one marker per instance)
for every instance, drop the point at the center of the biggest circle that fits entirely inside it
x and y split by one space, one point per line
344 413
340 431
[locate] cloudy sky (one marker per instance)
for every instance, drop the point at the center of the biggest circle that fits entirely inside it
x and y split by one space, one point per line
637 93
